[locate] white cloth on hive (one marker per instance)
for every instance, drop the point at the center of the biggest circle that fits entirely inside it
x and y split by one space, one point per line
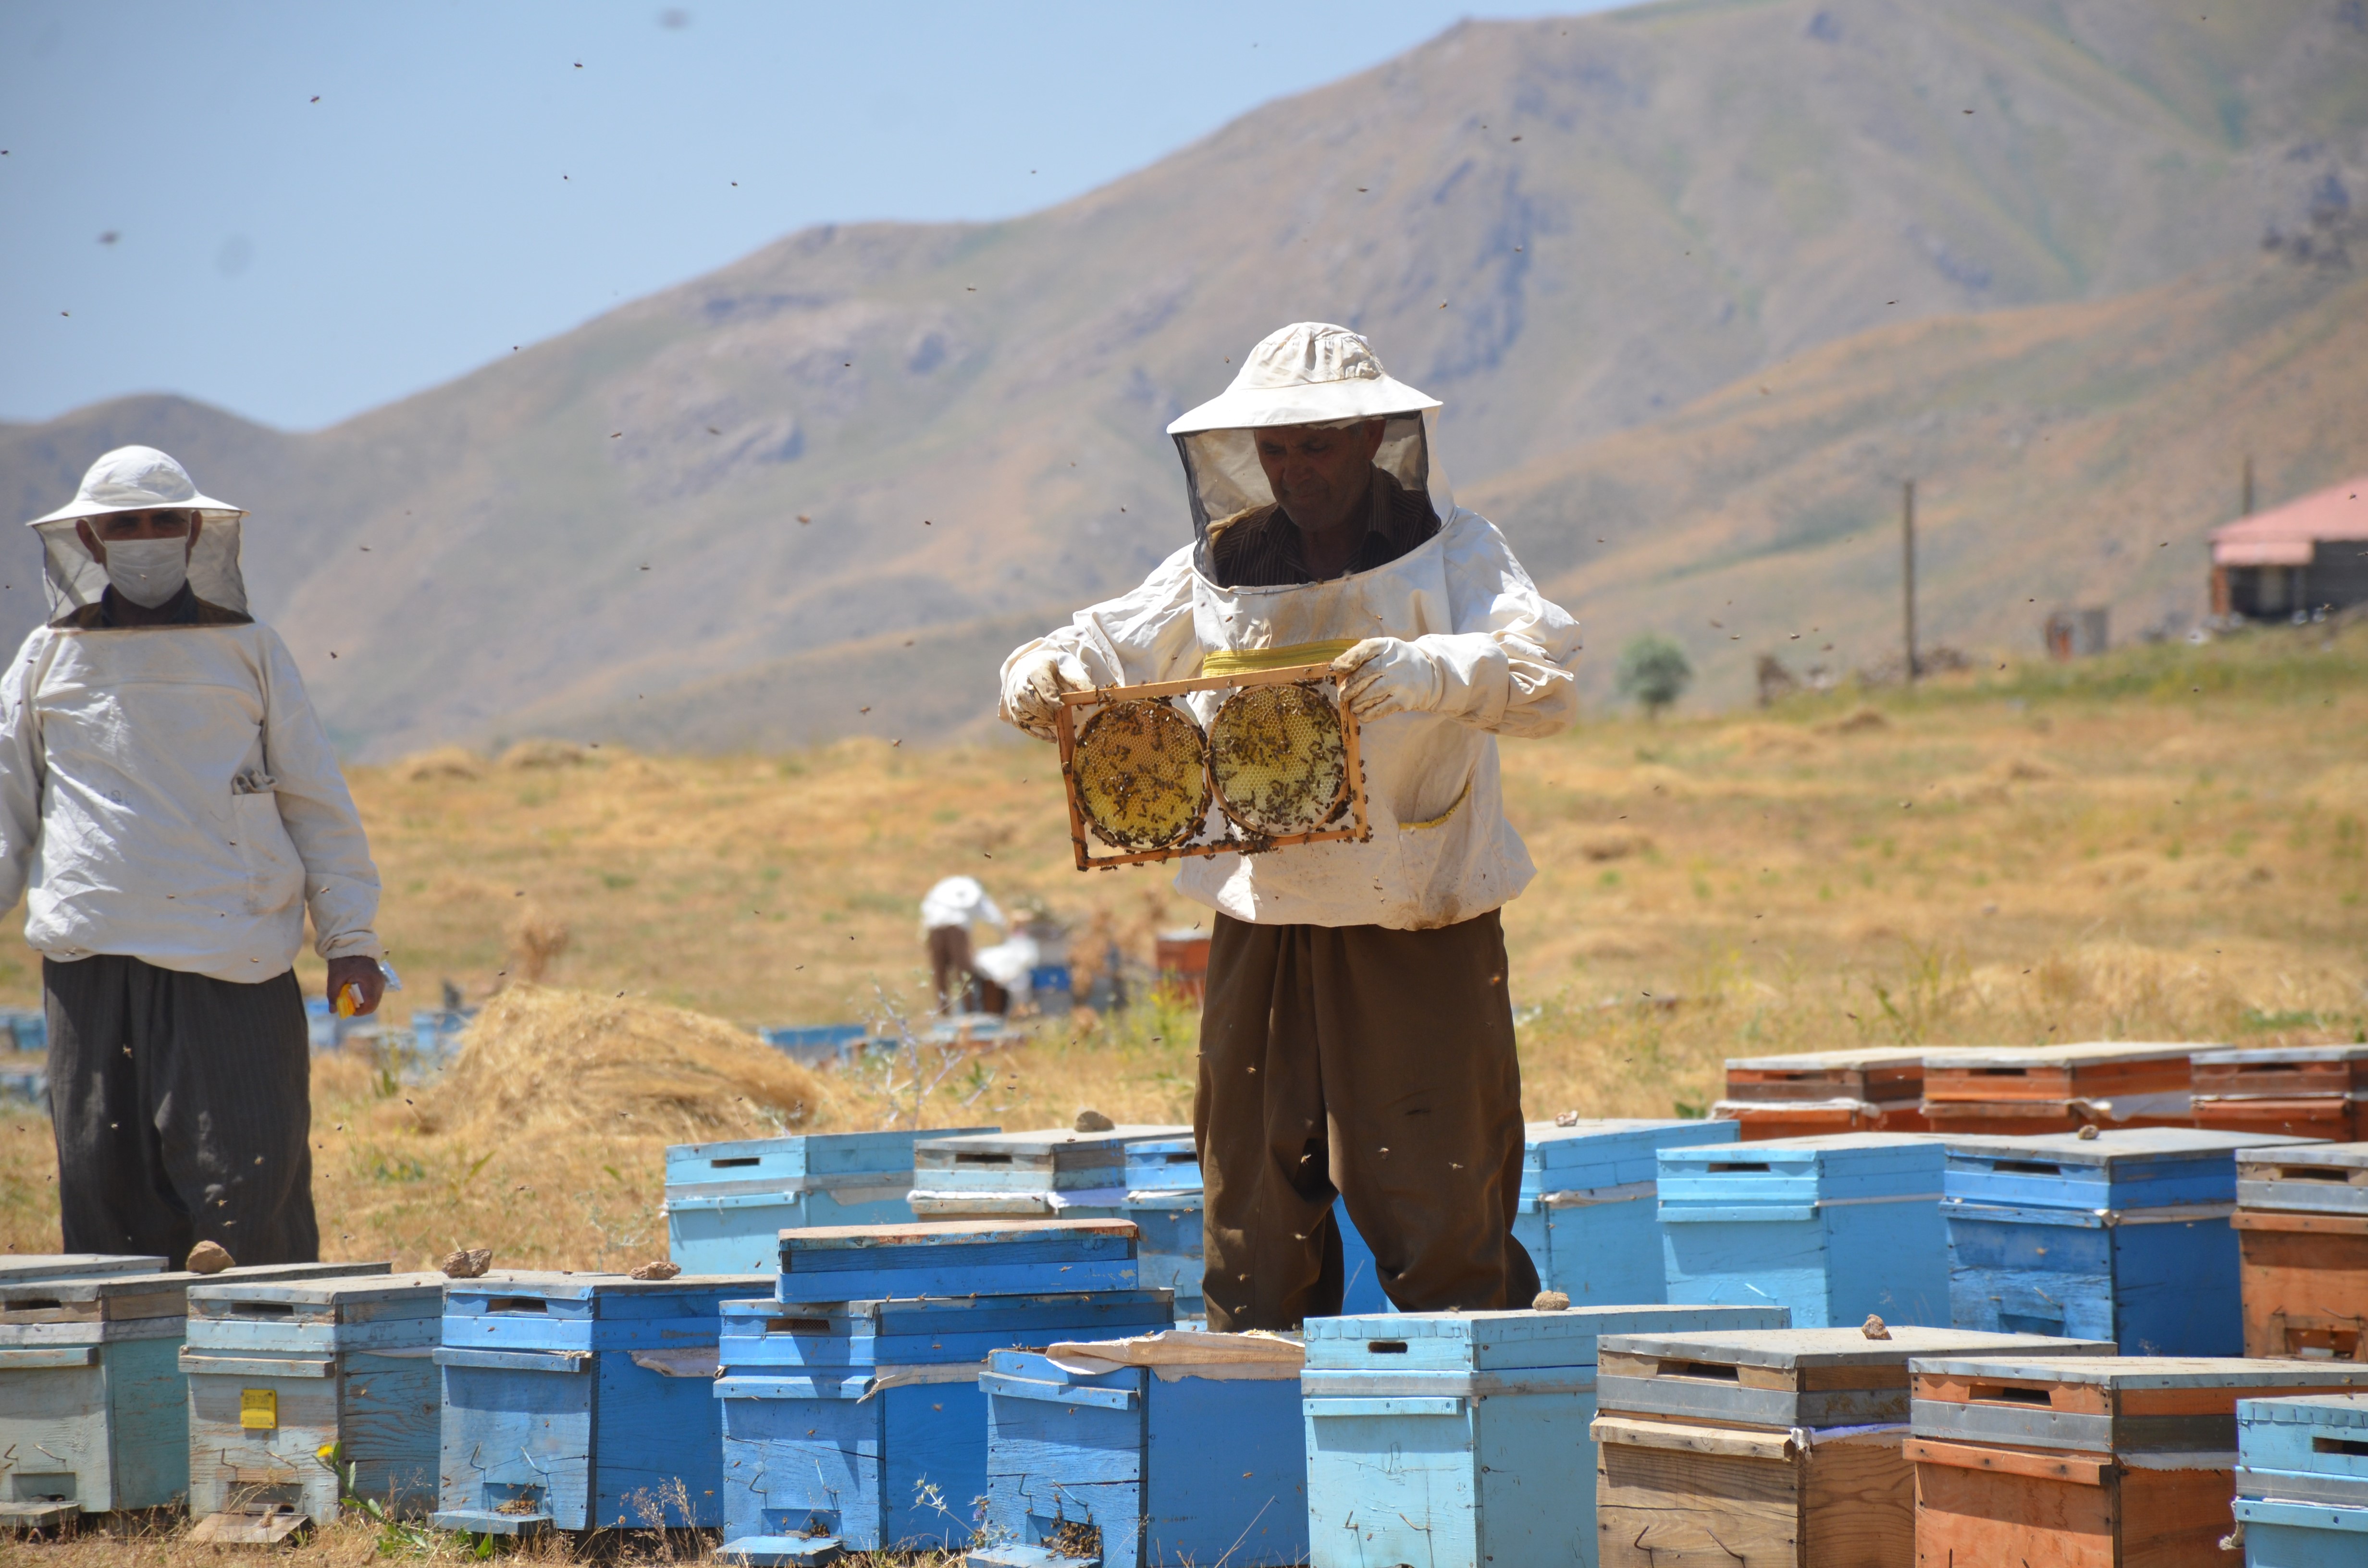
168 794
1008 963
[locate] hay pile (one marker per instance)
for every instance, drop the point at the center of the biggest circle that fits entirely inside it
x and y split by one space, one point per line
550 1062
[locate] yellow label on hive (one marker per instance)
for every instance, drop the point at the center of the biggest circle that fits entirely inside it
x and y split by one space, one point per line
258 1410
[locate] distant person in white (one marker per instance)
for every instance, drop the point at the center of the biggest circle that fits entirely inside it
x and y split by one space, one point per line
948 912
169 809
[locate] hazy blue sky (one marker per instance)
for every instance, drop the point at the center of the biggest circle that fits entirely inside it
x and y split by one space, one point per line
318 208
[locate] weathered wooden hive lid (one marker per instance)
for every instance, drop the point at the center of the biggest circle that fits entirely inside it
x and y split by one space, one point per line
2139 1167
2086 1053
1793 1377
1788 1178
145 1295
2244 1056
856 1337
215 1297
17 1268
2311 1178
1054 1159
799 1162
1589 1155
607 1295
1387 1342
1824 1061
955 1258
2120 1405
1058 1371
1162 1165
2300 1154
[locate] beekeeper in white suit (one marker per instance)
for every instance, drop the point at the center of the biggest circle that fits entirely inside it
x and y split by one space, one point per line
169 809
1357 1034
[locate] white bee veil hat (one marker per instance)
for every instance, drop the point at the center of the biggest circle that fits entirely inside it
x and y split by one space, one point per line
139 479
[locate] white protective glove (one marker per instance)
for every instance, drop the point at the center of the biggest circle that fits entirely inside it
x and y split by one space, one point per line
1031 695
1382 676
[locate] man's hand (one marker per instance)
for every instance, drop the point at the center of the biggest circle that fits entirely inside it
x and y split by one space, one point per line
1033 696
1382 676
364 976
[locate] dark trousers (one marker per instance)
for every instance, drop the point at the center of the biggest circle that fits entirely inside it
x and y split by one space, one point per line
949 967
183 1110
1378 1064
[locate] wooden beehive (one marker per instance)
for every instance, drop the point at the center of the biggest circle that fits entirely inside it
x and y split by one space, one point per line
94 1408
859 1425
1461 1437
581 1402
2116 1462
1833 1228
1162 1199
956 1257
1878 1089
1052 1174
2020 1090
1174 1448
1346 821
2309 1091
2302 1232
2301 1481
726 1202
17 1269
1768 1448
1586 1211
279 1370
2123 1236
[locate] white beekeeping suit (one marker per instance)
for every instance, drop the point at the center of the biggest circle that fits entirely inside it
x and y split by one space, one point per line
168 792
1473 650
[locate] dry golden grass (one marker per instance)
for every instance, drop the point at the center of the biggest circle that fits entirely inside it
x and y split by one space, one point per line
2031 854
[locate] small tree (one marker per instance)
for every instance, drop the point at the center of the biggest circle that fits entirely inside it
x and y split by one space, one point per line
1653 671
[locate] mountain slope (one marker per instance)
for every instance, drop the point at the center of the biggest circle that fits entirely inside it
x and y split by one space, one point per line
1567 229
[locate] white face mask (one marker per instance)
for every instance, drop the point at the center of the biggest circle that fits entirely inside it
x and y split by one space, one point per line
148 571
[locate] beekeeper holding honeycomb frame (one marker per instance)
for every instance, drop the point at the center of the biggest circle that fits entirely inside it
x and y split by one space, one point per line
1358 1034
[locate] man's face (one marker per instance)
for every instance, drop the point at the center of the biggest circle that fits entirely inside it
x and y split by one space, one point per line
1320 473
165 522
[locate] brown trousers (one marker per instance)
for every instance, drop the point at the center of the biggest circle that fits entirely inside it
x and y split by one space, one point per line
1375 1065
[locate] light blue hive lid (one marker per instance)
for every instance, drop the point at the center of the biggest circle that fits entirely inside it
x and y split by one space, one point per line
1591 1156
803 1163
1496 1341
1797 1175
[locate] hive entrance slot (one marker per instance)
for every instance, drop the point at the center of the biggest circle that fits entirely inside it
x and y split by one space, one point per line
2338 1446
961 1159
262 1310
1999 1394
2313 1173
1711 1369
1386 1347
797 1325
1738 1165
35 1304
2029 1167
517 1304
2000 1071
728 1165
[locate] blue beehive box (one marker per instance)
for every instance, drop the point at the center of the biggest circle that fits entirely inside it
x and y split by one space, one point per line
1174 1448
1588 1215
1054 1173
2123 1236
279 1368
727 1203
1835 1228
94 1408
2301 1481
851 1414
1461 1437
1162 1199
581 1402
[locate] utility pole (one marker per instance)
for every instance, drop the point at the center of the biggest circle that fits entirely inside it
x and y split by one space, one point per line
1907 567
2246 510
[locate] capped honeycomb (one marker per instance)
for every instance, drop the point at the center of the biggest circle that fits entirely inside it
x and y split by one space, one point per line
1141 775
1277 759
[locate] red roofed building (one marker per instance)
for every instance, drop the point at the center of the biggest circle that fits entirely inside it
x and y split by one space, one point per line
2306 556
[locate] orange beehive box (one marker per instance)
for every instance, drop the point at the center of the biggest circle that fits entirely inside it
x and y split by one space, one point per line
2301 1226
2123 1462
2056 1088
2310 1091
1816 1092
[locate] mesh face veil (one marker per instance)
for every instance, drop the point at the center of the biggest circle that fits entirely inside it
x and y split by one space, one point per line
1309 373
138 479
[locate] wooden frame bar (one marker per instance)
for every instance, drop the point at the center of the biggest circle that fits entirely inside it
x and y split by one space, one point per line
1064 724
